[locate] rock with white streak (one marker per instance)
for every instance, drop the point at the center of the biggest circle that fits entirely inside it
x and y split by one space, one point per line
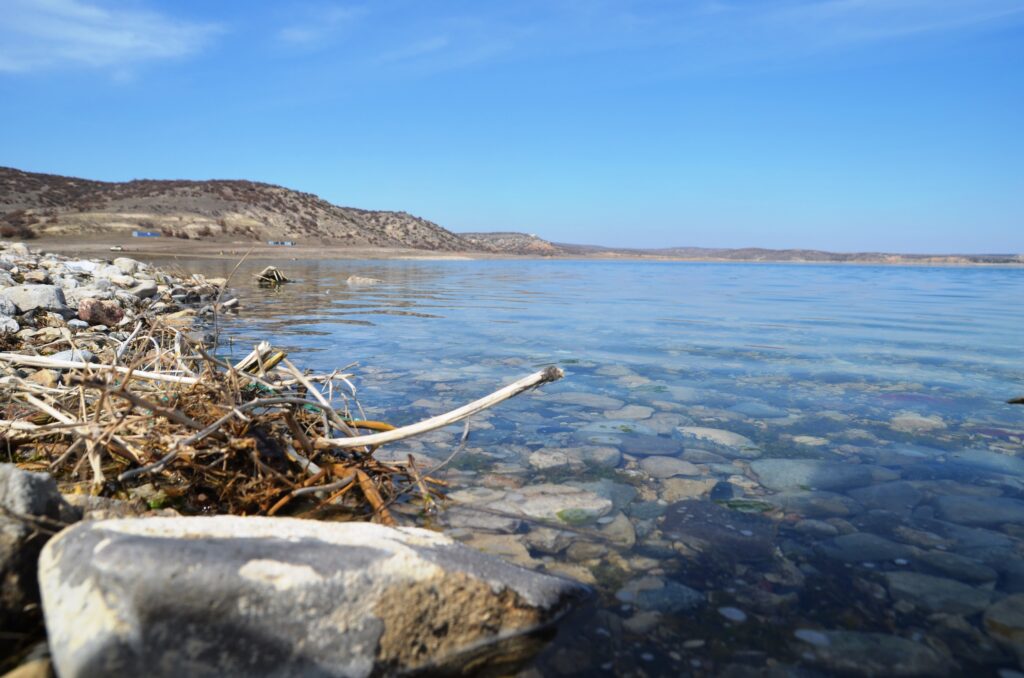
276 596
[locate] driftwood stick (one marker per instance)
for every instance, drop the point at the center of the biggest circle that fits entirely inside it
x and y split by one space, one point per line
526 383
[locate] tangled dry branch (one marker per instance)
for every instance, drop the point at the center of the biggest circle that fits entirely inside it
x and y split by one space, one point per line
158 416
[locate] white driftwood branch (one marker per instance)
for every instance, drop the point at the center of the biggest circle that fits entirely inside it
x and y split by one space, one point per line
526 383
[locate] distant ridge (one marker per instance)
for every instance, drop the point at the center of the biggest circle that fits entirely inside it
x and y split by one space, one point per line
49 205
510 242
787 255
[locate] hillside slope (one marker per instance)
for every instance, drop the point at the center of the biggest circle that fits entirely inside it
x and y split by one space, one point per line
49 206
508 242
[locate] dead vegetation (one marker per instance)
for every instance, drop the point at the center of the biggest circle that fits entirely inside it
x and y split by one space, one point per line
161 417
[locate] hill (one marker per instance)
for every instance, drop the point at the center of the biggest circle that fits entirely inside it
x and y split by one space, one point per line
508 242
51 206
47 205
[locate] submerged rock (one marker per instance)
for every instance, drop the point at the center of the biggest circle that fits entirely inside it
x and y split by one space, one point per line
594 401
860 547
808 474
916 423
676 489
717 440
668 467
758 410
650 445
1004 621
661 595
359 280
815 504
898 496
276 596
980 510
718 531
937 594
873 654
548 501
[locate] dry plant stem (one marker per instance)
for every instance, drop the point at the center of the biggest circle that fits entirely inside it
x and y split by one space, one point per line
42 361
545 376
329 487
220 295
307 465
67 453
123 448
372 496
315 392
138 401
461 446
232 371
299 434
127 342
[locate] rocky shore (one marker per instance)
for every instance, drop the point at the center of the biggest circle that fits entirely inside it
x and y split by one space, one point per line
95 586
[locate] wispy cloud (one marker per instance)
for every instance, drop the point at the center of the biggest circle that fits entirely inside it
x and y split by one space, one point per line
50 34
416 49
841 23
703 32
319 24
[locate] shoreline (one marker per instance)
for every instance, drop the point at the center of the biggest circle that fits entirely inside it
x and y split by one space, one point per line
172 248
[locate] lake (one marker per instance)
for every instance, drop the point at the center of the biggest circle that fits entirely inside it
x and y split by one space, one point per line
760 468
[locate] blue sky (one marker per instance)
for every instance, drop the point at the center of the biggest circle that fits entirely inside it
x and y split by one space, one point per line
836 124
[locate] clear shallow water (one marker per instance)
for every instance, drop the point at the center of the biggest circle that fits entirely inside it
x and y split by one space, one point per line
888 540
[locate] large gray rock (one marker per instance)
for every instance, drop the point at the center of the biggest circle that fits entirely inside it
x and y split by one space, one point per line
24 496
980 510
809 474
35 297
276 596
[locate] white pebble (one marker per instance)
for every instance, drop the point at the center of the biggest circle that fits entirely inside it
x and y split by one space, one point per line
816 638
733 614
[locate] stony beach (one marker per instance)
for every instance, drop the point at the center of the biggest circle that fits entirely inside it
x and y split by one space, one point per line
127 588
